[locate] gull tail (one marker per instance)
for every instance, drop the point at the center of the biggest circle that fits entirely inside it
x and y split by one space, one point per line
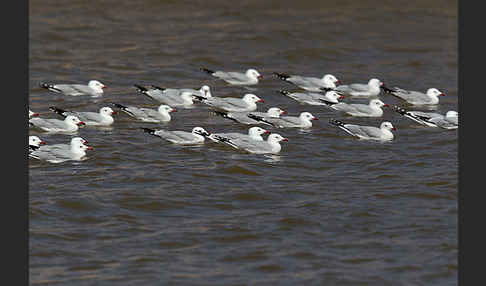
284 92
341 125
207 70
224 115
217 138
141 88
282 76
59 111
260 119
50 87
118 105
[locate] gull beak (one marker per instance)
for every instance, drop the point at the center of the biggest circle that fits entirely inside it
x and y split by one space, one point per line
173 110
266 132
104 86
35 115
315 118
114 112
394 128
81 123
386 105
341 97
284 112
90 148
442 94
261 100
260 77
285 139
338 82
43 143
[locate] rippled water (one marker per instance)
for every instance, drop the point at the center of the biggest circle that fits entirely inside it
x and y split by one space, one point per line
329 210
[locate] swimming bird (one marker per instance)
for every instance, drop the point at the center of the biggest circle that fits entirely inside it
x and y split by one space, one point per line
101 118
232 104
373 109
329 98
315 84
383 133
76 151
93 88
254 134
196 136
70 124
371 89
431 97
304 120
432 119
242 117
183 99
250 77
161 114
269 146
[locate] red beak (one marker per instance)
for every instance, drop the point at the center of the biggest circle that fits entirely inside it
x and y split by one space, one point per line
341 97
35 114
114 112
284 112
81 123
285 139
43 143
260 77
261 100
338 82
385 105
90 148
267 132
394 128
174 110
442 94
104 86
315 118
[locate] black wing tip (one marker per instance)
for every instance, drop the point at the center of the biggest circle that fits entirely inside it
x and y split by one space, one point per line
56 109
148 130
206 70
45 85
118 105
282 76
198 97
336 122
157 87
284 92
387 89
140 88
326 89
399 109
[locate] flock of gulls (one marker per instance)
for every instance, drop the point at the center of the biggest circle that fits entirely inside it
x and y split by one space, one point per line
326 91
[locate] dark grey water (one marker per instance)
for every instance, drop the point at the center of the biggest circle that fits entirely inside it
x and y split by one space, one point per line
329 210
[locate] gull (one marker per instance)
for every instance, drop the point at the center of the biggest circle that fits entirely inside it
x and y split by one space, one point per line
254 134
93 88
304 120
432 119
242 117
371 89
76 151
328 81
383 133
269 146
183 99
162 114
232 104
101 118
373 109
196 136
70 124
329 98
431 97
250 77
